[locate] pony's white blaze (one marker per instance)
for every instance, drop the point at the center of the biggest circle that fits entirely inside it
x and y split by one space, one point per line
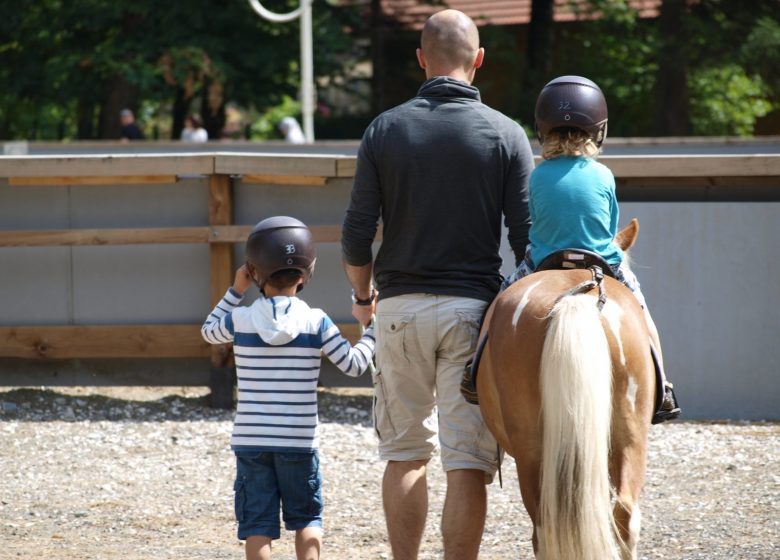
523 302
613 314
631 392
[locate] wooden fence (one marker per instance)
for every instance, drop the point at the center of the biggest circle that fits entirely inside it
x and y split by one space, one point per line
755 177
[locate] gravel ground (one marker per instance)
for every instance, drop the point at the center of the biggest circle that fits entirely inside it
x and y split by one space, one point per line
142 473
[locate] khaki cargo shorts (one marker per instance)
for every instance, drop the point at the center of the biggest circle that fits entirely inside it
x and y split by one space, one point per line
423 343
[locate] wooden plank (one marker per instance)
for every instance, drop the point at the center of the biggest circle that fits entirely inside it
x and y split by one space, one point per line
346 166
107 165
114 236
126 341
301 180
93 180
220 254
693 165
239 234
721 182
150 236
309 165
114 341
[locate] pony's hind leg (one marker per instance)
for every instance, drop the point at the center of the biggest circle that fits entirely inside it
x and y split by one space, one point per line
628 518
628 485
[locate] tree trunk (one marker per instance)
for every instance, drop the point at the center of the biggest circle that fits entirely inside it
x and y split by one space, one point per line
540 41
213 106
181 106
672 111
121 95
85 119
377 58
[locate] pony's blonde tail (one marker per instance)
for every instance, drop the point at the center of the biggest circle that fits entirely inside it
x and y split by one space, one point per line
576 383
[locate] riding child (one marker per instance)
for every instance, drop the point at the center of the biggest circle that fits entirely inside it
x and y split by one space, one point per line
278 342
572 198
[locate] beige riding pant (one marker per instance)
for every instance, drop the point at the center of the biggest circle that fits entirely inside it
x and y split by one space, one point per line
423 343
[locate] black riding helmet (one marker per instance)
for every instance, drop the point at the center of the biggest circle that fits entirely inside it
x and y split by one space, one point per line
280 243
572 102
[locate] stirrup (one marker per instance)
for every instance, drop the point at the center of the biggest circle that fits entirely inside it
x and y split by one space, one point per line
467 387
669 409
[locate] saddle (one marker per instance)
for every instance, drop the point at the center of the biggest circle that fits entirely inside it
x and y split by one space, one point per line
567 259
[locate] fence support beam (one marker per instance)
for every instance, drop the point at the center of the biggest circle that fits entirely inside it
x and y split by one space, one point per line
221 277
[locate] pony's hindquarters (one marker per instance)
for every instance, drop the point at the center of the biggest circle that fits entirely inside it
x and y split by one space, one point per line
576 519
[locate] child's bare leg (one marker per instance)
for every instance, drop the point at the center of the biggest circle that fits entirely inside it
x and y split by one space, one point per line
258 548
308 542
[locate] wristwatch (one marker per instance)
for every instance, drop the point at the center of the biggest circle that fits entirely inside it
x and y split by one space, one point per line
368 301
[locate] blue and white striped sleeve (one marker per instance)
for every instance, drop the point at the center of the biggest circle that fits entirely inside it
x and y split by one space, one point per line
218 328
352 360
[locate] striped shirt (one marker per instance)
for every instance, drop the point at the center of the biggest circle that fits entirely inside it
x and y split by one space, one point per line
278 343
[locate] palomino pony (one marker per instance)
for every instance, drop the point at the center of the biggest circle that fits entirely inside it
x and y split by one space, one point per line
568 390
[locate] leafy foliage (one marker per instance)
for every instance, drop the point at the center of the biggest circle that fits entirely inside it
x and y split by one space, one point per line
68 67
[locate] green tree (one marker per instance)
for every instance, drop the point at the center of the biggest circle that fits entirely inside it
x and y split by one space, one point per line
68 68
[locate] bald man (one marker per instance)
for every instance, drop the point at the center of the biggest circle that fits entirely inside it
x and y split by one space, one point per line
440 170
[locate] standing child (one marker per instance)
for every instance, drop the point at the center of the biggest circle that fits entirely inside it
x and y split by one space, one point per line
572 198
278 342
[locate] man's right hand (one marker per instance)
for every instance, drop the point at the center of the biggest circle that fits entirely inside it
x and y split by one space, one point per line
363 313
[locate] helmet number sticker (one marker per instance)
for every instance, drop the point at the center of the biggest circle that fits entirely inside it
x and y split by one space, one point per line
289 249
564 105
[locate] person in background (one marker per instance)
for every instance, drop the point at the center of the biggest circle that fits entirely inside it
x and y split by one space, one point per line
193 130
130 130
291 130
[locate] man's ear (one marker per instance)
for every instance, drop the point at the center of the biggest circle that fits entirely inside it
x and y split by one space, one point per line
480 58
421 59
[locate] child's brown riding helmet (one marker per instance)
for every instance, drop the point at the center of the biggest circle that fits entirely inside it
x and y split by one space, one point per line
572 102
280 243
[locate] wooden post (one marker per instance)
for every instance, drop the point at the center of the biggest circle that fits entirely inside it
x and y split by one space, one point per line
221 264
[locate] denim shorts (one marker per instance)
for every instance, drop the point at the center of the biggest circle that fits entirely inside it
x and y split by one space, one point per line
266 479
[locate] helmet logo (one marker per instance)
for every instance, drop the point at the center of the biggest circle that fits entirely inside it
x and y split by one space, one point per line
567 117
289 249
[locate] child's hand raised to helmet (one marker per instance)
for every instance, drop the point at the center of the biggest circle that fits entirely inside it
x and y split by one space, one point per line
243 279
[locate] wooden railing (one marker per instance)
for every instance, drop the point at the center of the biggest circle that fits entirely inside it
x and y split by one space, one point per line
755 177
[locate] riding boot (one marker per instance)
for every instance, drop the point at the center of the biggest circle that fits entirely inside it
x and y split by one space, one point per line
669 408
467 386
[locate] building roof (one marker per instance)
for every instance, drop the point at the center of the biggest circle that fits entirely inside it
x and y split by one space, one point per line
413 13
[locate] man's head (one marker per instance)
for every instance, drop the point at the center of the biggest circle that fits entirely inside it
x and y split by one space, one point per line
450 46
126 116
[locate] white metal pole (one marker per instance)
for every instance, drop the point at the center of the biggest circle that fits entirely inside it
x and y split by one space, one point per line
307 72
307 58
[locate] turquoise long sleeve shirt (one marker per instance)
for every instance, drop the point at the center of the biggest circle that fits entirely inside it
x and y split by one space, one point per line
572 203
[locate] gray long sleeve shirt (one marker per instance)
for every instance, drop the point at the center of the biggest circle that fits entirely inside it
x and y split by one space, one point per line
440 170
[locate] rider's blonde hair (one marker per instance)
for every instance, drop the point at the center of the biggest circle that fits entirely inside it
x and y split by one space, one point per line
568 142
